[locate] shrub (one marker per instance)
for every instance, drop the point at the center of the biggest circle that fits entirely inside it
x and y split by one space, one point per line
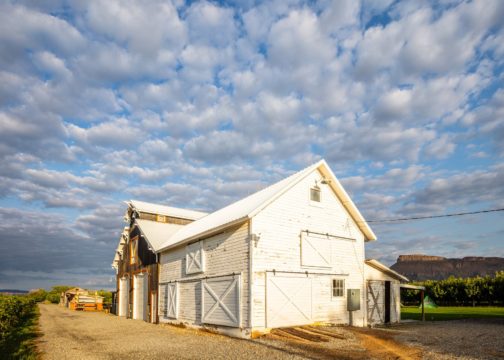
13 310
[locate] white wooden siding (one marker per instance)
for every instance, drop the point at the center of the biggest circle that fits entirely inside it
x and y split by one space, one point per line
280 227
225 254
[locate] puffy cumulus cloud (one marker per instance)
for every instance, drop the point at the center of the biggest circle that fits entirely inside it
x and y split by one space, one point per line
390 143
440 148
421 41
210 24
105 63
144 28
339 14
38 134
116 133
461 189
199 104
488 119
225 146
22 28
50 63
297 40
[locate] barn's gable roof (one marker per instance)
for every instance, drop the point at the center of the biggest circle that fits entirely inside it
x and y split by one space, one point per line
248 207
157 209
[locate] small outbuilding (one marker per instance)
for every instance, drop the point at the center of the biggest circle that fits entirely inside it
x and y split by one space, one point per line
383 289
81 299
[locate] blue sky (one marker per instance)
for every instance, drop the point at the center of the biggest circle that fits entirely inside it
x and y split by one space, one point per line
198 104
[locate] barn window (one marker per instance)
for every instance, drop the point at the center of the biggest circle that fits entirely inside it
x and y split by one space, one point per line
338 287
315 194
133 250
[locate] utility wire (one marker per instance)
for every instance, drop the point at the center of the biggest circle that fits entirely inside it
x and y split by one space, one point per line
435 216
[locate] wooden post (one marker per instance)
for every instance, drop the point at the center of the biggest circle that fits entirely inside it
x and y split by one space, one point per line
422 300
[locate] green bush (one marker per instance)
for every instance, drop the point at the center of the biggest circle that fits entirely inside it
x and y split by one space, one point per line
107 296
13 311
54 295
38 295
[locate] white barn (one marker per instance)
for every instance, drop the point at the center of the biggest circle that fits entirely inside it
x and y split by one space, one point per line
286 255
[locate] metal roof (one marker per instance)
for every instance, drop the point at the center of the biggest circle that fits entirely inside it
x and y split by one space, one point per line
155 233
246 208
151 208
385 269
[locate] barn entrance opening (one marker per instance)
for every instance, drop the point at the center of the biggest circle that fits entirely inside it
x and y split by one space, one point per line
387 302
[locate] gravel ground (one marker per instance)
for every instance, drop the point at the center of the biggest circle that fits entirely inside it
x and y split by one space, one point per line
87 335
456 339
78 335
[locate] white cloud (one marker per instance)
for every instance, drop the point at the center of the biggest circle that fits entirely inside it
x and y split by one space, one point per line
211 24
145 28
297 40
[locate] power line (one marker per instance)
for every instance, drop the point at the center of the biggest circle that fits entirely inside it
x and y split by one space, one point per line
436 216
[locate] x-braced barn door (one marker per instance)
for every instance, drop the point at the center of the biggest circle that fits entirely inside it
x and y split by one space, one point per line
375 302
220 301
171 301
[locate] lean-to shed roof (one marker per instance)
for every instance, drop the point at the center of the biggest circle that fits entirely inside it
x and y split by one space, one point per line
156 233
246 208
385 269
151 208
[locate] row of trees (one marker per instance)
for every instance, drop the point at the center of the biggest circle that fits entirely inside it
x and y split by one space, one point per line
486 291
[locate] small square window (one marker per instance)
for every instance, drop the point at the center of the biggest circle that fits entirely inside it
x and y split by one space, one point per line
315 194
338 288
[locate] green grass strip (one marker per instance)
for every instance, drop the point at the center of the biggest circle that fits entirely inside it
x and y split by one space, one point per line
443 313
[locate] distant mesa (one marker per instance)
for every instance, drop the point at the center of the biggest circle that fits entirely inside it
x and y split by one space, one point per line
13 291
419 267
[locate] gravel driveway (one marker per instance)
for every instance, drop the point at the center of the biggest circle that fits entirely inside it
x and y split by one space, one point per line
87 335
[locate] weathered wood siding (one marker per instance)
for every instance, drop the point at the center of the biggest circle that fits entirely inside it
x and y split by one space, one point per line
279 227
225 253
146 263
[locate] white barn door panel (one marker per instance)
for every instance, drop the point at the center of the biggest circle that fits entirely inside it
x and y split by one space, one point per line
375 302
171 301
315 251
123 297
140 296
195 258
221 301
288 300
